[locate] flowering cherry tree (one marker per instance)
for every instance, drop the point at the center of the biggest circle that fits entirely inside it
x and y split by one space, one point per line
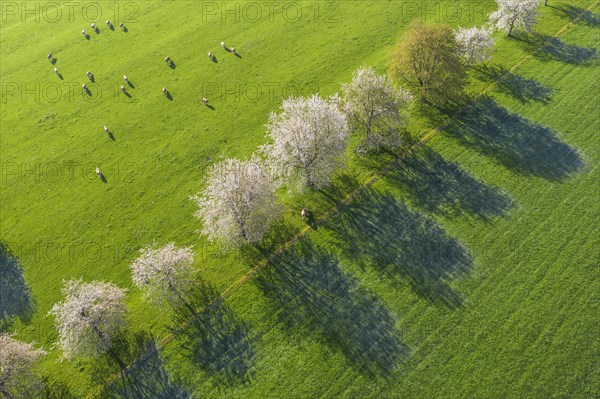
239 202
514 14
89 318
475 44
373 105
165 274
17 376
309 137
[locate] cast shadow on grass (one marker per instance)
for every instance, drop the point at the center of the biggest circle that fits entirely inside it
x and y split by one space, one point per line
516 142
146 379
580 14
515 85
56 389
440 186
549 48
376 231
15 294
313 295
215 339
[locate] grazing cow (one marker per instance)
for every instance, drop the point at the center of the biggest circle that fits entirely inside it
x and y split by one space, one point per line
50 56
94 26
205 100
98 172
223 45
126 78
55 70
232 50
106 129
210 55
121 24
165 91
108 23
123 89
83 32
88 74
84 87
167 59
304 213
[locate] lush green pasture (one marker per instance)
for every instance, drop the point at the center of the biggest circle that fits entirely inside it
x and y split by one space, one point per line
466 270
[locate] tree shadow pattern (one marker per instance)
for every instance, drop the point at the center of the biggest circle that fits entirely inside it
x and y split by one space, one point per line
312 294
550 48
580 14
440 186
15 295
376 231
515 142
517 86
215 339
146 378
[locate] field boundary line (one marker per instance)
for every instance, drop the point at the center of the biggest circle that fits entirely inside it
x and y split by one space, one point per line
349 198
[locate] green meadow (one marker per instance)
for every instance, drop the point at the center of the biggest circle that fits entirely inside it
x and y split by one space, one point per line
466 267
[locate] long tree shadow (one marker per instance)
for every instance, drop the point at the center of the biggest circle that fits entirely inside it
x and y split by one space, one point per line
438 185
515 142
55 389
378 232
15 295
215 339
550 48
515 85
147 378
313 295
579 14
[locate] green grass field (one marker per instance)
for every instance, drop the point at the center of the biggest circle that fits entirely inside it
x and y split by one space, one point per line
468 269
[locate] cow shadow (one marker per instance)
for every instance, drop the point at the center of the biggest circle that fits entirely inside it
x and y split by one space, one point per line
169 96
578 14
215 339
515 142
517 86
439 186
172 64
87 37
376 231
313 296
15 295
550 48
146 377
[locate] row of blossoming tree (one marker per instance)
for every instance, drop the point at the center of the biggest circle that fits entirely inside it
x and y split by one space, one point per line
308 138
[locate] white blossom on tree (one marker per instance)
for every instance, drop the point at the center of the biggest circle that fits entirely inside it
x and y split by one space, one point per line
165 274
18 378
514 14
475 44
309 138
239 203
374 105
89 318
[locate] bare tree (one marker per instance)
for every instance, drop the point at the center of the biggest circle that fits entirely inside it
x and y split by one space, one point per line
309 137
514 14
89 318
18 378
475 44
239 203
374 106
